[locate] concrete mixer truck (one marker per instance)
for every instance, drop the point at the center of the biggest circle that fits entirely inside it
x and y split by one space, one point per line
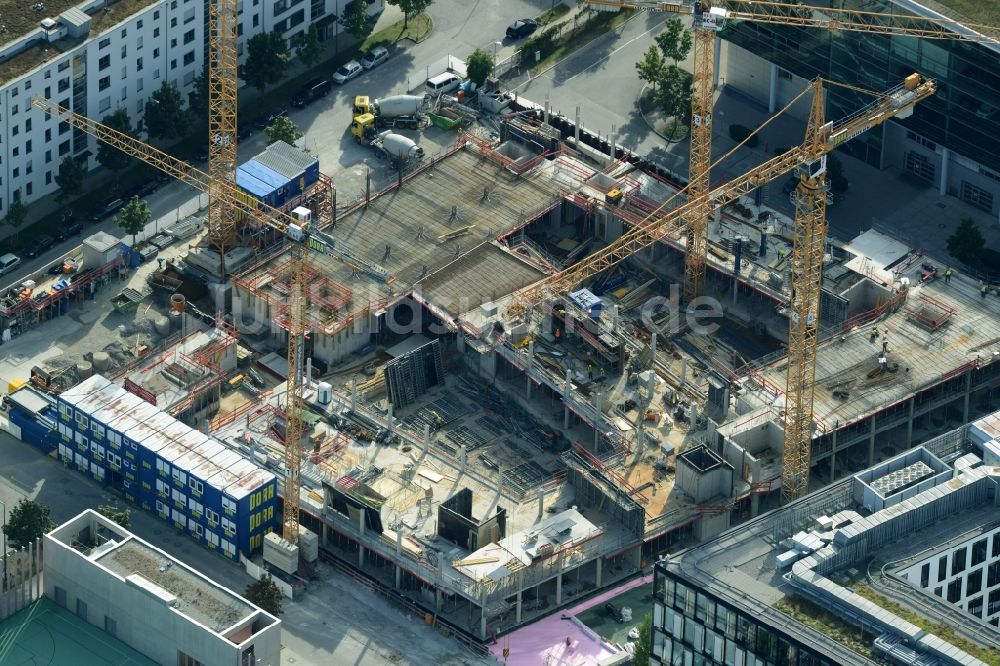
397 147
397 112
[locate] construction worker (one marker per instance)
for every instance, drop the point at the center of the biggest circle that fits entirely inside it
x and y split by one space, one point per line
885 345
874 332
982 289
947 275
590 371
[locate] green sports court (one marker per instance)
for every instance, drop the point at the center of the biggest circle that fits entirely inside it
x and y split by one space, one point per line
45 634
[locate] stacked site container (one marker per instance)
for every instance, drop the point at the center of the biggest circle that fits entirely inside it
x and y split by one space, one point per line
187 478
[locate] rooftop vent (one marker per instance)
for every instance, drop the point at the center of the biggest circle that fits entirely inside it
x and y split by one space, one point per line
47 23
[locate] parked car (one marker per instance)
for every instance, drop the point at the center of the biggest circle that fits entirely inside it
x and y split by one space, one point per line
39 246
9 262
147 187
347 72
106 209
521 28
266 119
375 57
310 91
68 229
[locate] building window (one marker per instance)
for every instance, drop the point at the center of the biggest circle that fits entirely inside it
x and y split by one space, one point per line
974 582
925 575
48 134
995 551
60 596
189 58
82 421
104 43
162 509
104 62
196 485
213 517
979 552
993 574
104 83
138 25
64 147
228 526
256 20
185 660
104 105
173 64
958 561
955 590
81 608
27 125
977 196
48 177
189 36
110 626
229 506
919 166
180 476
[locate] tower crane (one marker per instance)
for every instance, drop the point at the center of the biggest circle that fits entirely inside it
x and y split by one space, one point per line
304 239
222 92
709 17
807 254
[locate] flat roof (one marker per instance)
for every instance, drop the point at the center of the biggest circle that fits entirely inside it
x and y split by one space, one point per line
982 12
45 633
194 595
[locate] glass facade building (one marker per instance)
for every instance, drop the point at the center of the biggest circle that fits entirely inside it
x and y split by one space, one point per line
692 627
963 117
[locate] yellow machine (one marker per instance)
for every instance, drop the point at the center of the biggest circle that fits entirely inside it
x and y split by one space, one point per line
363 126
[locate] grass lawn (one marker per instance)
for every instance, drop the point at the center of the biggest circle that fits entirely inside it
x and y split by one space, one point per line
828 624
418 28
553 14
942 631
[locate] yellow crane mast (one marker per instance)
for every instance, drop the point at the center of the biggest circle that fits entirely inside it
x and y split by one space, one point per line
708 18
222 90
303 239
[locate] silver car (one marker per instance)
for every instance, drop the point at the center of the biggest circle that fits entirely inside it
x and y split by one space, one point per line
347 72
375 57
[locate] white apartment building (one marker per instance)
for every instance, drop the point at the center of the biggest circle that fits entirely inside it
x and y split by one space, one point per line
152 602
83 56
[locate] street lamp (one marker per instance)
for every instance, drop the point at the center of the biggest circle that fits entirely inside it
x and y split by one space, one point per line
495 45
3 587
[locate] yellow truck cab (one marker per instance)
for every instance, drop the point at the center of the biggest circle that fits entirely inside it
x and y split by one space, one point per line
362 105
363 126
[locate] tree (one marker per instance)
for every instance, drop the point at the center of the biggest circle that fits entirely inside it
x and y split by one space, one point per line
28 521
165 116
69 179
642 644
133 217
310 51
199 95
265 594
479 65
673 94
675 41
356 19
120 516
966 244
267 59
16 213
282 129
410 8
652 66
111 157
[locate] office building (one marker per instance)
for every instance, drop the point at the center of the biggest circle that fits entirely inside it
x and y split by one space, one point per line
152 602
877 565
952 141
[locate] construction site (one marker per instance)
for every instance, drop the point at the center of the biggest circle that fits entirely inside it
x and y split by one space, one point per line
536 361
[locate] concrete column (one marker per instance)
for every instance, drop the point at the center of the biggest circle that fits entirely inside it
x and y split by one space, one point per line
463 457
833 457
600 571
309 372
945 168
754 504
531 364
361 556
772 91
576 127
965 402
611 143
871 444
517 607
427 439
559 589
399 577
438 601
482 617
597 422
354 393
614 316
541 503
684 370
323 533
389 420
399 542
547 107
567 387
361 548
909 426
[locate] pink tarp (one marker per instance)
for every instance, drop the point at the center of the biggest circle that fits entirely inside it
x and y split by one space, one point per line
544 641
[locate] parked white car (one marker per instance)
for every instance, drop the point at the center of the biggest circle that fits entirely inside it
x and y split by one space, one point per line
374 57
347 72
